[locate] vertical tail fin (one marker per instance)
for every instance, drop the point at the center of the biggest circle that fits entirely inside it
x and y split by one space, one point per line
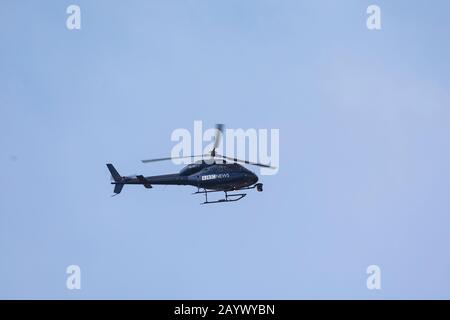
118 188
117 178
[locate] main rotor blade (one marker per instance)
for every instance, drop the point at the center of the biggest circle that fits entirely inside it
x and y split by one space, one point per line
219 132
171 158
246 162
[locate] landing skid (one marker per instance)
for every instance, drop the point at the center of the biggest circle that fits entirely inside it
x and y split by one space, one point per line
228 197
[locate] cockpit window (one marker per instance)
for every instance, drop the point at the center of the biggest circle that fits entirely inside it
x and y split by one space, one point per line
190 169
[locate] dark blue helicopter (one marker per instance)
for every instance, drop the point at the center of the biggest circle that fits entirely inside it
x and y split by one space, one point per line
214 174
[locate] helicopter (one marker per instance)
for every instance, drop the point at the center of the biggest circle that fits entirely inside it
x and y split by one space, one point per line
213 173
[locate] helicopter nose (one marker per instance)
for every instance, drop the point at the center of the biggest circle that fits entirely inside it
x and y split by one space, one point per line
253 178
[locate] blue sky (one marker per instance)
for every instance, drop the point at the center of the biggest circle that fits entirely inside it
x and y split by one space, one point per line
364 123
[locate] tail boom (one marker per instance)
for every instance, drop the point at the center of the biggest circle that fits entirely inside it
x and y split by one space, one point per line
147 182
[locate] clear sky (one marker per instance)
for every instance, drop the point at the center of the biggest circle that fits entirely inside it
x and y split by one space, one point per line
364 119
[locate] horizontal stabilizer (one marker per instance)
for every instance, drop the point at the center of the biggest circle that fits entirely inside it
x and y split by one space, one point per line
144 181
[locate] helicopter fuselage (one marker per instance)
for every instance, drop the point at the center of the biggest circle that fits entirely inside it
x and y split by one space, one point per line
214 176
